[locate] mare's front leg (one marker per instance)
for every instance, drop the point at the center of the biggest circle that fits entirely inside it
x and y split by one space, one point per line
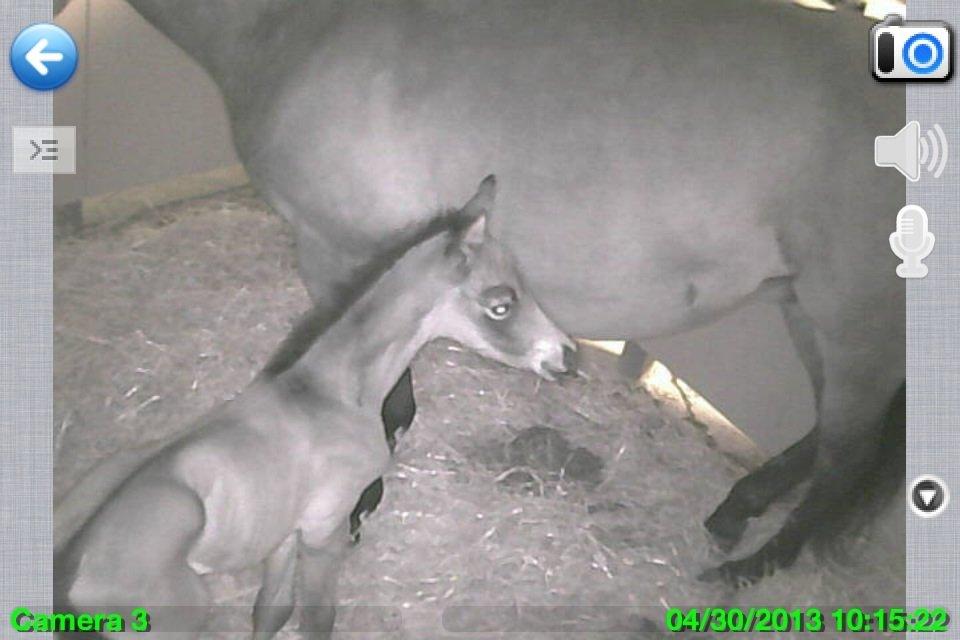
318 572
863 370
753 493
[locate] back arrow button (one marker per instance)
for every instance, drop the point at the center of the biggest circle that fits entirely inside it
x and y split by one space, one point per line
43 57
37 56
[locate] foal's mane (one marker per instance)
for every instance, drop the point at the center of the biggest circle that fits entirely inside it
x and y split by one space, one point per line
325 313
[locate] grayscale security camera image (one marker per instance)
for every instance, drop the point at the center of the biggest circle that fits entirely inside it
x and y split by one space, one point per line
519 319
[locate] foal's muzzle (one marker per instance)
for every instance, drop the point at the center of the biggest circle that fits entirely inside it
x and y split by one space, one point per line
563 362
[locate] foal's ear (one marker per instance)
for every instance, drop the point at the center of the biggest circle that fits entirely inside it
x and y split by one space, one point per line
477 212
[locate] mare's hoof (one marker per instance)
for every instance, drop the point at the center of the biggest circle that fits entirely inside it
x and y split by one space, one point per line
726 531
747 571
736 573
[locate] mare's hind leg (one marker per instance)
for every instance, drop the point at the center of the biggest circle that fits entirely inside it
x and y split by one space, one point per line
275 600
134 554
752 494
318 571
863 368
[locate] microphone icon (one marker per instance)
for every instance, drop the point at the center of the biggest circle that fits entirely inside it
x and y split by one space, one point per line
912 241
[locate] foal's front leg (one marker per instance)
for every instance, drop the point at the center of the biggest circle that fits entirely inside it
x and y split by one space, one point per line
275 600
318 571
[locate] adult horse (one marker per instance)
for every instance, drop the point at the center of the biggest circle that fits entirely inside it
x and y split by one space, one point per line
661 162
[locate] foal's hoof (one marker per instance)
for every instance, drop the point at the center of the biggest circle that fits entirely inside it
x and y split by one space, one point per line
726 531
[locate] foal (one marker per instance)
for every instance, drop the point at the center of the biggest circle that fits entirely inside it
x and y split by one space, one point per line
271 476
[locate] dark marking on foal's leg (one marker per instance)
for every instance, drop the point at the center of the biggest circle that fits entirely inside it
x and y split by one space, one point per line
399 409
755 492
368 503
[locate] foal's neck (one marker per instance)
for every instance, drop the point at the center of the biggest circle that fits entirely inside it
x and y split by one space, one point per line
362 355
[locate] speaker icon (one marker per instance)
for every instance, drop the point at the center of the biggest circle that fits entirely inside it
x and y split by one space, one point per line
908 152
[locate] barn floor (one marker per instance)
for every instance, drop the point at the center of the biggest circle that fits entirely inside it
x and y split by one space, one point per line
164 316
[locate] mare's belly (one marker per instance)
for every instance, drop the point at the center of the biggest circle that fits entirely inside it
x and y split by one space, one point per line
630 177
616 298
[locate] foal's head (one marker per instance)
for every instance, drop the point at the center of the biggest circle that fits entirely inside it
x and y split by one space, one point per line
489 310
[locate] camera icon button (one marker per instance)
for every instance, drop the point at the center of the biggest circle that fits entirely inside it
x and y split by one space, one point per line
911 50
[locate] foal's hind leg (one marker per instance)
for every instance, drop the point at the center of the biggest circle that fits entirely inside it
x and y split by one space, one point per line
752 494
275 600
134 554
863 367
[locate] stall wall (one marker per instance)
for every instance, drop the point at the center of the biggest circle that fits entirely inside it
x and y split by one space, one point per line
144 111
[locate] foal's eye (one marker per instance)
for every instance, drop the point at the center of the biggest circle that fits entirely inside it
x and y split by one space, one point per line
498 301
499 311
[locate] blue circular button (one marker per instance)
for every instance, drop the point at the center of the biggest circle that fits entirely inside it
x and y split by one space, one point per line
43 57
922 53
